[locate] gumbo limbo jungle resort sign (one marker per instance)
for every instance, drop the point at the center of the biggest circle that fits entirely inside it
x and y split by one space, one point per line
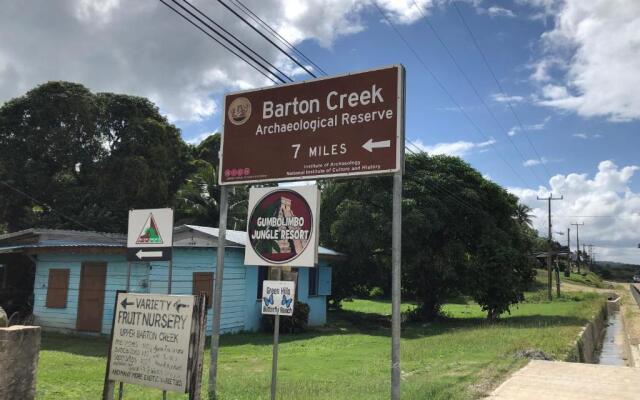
282 226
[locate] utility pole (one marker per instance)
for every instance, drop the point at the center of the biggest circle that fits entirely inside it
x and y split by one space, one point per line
567 270
549 283
590 246
577 225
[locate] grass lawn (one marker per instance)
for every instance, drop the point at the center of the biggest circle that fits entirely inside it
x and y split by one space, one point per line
459 358
585 278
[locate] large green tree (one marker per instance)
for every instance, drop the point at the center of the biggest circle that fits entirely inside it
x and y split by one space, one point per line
453 220
65 151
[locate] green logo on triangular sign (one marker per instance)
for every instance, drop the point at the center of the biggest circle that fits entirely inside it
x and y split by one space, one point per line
150 233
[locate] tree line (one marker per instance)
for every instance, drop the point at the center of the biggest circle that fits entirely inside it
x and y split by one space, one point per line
73 159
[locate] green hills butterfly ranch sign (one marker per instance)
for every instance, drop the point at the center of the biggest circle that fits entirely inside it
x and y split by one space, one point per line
282 226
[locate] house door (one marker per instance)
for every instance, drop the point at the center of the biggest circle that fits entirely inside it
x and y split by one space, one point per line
91 297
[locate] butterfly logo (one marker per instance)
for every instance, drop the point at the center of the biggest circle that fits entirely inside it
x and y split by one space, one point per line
268 300
285 302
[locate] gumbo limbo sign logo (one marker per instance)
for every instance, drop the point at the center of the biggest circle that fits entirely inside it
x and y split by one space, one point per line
281 226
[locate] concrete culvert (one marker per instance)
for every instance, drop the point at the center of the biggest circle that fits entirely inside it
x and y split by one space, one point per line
4 320
533 354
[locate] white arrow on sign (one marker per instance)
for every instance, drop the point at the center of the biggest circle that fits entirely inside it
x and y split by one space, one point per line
148 254
370 145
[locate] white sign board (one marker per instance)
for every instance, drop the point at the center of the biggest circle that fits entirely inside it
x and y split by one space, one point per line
282 227
151 337
278 297
150 235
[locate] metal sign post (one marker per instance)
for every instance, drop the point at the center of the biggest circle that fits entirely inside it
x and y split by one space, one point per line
217 295
396 248
274 362
278 298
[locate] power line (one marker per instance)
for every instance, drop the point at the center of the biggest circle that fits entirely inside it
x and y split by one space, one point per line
260 21
225 46
502 91
473 87
266 38
48 207
437 186
233 36
449 95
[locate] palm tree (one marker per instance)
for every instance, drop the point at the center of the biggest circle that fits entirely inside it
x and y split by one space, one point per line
523 214
197 199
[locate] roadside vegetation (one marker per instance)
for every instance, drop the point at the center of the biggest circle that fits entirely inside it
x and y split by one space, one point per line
459 356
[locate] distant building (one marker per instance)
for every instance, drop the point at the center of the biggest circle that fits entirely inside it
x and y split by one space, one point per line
70 278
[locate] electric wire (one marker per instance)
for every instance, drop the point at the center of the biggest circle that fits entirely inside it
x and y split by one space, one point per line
449 95
48 207
474 89
234 37
439 187
262 72
500 88
267 39
275 33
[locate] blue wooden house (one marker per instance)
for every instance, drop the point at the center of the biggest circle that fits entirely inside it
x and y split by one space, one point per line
75 276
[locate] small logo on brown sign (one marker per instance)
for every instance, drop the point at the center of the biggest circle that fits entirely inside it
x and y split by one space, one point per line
239 111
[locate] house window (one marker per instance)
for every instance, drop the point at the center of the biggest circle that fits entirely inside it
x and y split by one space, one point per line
3 276
263 275
203 282
58 288
313 281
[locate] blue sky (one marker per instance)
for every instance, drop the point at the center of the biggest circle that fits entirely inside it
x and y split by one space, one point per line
569 68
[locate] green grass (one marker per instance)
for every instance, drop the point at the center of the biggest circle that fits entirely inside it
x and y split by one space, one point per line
456 359
589 278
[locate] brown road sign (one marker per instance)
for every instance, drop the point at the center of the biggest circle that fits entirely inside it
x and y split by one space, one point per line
331 127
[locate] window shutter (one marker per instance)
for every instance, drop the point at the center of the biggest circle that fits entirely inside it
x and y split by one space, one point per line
313 281
58 288
203 282
324 281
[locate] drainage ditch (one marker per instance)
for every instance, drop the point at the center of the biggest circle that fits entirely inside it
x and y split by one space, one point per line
612 350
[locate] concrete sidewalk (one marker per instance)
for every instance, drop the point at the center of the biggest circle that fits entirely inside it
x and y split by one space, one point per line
542 380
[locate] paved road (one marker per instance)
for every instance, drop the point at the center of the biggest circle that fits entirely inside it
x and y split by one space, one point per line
553 380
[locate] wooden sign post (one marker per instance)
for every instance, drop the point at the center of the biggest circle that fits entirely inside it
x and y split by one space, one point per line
157 341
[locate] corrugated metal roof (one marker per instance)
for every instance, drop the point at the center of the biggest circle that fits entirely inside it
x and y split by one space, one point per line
63 232
70 238
12 249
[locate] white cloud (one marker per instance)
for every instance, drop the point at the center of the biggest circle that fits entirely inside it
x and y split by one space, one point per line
586 136
501 98
405 11
143 48
604 202
599 41
196 140
495 11
459 148
537 161
532 127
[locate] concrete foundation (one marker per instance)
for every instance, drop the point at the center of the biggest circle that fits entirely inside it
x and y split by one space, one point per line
19 348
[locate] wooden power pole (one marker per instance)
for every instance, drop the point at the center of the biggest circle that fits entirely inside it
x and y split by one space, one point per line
549 276
577 225
567 270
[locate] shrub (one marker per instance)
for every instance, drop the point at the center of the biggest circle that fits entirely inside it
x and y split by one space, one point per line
376 292
295 324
